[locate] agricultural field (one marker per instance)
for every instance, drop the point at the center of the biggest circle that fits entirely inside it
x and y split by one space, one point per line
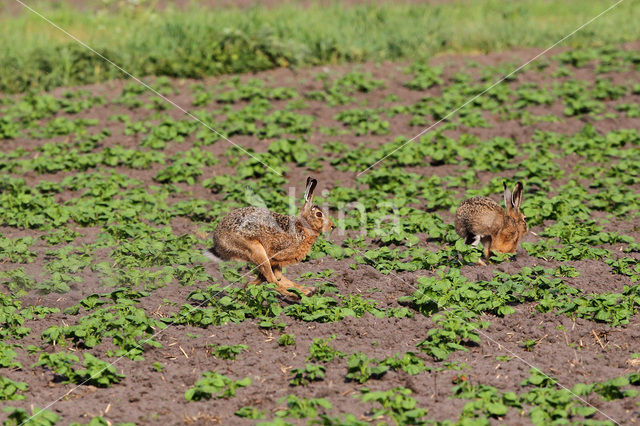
111 314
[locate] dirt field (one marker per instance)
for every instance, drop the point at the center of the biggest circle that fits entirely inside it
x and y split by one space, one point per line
568 344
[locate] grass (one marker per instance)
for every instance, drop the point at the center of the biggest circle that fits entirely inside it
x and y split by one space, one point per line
195 42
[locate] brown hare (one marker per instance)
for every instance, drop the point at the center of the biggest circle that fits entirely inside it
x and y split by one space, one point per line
480 219
271 240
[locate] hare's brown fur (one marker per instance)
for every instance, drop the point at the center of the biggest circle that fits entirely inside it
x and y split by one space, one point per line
480 219
271 240
285 237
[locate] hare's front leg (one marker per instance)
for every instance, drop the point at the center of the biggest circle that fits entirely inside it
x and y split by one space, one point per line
277 271
258 255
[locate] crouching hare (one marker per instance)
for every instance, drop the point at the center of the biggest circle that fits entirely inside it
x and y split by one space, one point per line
271 240
480 219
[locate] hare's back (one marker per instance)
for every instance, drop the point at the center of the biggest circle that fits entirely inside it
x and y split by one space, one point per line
254 222
478 216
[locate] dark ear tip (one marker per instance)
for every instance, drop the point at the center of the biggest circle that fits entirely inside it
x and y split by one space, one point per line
504 184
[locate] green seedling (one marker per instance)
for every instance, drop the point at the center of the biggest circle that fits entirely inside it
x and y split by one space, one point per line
227 351
287 340
215 385
304 376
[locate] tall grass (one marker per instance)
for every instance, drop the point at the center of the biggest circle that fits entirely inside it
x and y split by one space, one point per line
198 42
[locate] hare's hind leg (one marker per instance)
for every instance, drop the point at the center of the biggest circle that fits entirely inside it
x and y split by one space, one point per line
486 244
277 271
259 256
473 240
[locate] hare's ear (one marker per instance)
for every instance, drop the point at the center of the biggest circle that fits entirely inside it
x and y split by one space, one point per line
508 202
308 193
516 198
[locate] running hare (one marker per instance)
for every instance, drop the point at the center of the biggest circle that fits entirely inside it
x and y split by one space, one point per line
482 219
271 240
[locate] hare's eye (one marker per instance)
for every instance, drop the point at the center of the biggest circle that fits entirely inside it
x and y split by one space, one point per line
318 214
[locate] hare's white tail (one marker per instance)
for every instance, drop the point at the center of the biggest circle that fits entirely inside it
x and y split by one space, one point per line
208 253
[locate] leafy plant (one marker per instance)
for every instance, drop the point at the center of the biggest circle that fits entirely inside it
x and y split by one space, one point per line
453 330
425 76
7 354
251 413
16 250
362 368
363 122
129 328
302 408
529 344
287 340
227 351
10 390
321 351
96 372
310 373
396 403
38 417
17 280
408 363
215 384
